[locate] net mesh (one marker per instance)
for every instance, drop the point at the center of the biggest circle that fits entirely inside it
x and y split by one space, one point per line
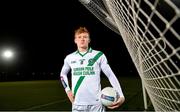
149 29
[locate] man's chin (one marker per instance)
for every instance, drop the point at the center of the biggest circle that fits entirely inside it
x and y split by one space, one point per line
84 47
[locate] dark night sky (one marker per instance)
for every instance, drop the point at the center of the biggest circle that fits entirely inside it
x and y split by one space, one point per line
42 35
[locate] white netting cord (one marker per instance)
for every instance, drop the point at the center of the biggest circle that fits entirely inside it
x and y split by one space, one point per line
152 37
96 7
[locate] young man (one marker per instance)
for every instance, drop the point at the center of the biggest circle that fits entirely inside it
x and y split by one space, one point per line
85 65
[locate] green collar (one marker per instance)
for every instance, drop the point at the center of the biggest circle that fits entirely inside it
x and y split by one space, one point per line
88 51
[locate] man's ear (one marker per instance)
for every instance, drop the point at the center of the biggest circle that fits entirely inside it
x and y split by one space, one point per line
89 40
75 40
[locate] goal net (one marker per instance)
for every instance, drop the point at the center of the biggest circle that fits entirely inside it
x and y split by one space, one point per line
149 29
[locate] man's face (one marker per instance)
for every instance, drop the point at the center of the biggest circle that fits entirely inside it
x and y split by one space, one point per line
82 40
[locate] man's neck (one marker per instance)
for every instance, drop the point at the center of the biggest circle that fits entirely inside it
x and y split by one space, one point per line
83 49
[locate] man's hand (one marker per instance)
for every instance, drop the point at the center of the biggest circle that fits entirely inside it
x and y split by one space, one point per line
118 103
70 96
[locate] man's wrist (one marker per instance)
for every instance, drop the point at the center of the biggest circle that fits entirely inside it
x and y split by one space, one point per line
67 89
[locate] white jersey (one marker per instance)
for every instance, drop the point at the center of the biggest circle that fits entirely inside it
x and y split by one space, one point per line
85 76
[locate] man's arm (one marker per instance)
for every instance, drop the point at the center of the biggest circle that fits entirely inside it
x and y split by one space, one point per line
64 80
113 80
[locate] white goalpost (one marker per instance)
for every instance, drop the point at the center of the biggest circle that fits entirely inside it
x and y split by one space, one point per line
150 30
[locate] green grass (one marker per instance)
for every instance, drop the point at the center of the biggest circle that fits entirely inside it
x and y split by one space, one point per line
49 95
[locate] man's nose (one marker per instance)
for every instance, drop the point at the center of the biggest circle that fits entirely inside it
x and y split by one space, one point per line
82 38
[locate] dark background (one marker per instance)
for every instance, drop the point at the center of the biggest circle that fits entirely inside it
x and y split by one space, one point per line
41 34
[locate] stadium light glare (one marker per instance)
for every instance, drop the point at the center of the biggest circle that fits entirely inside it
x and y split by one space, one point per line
7 54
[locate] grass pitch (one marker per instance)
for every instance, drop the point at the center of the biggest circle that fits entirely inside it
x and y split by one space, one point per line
49 95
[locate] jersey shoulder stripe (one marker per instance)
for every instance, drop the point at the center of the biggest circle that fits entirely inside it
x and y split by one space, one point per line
99 54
